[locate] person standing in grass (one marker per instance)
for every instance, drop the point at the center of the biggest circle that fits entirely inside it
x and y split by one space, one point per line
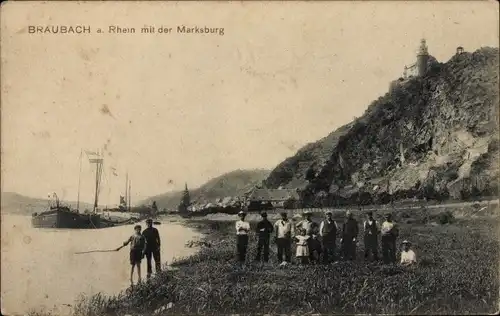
390 233
371 237
328 232
137 250
302 251
350 232
408 256
284 232
153 247
242 230
154 209
264 230
313 243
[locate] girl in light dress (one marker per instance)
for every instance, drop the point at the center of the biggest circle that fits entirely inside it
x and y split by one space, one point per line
302 249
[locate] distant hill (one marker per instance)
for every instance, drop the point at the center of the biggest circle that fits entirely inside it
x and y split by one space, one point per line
233 183
434 136
14 203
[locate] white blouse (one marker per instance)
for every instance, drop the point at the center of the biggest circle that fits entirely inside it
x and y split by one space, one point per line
242 228
408 257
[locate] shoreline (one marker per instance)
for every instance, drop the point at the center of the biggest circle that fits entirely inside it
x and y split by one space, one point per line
397 205
208 280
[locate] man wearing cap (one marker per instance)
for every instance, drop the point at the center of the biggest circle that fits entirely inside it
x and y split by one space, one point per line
371 237
328 232
242 230
350 232
408 256
152 247
311 229
389 233
284 232
264 230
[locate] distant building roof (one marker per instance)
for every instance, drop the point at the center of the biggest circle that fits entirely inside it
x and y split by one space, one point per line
274 194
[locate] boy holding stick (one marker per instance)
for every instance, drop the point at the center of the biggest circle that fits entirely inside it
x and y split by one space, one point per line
137 251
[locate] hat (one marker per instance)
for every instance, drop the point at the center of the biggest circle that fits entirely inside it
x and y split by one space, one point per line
329 213
284 214
241 213
406 242
263 214
307 213
149 220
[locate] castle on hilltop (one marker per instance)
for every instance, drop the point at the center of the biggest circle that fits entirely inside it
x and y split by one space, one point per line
419 68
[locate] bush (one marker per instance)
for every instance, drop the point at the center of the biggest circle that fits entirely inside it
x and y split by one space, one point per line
446 218
383 198
405 214
465 194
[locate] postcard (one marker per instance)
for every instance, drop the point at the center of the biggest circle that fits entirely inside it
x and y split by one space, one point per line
251 157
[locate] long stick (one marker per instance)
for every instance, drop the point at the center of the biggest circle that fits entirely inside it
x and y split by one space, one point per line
111 250
91 251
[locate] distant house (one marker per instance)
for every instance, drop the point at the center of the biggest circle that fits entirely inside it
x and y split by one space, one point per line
281 198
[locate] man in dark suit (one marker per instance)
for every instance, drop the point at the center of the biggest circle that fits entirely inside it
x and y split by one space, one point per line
264 230
152 247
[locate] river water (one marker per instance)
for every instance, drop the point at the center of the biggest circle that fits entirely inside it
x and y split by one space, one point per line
40 270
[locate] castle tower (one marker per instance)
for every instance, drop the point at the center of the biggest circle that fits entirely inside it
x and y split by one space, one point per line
422 59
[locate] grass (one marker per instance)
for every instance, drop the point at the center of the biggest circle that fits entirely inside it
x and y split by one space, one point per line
457 274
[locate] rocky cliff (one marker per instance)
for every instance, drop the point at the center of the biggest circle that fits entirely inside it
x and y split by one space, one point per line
433 137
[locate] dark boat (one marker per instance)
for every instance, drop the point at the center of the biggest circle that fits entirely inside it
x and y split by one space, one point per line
64 217
60 216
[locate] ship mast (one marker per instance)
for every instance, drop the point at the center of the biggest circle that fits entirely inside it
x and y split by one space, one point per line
129 195
126 192
79 182
98 171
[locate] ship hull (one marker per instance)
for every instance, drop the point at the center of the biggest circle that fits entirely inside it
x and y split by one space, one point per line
57 218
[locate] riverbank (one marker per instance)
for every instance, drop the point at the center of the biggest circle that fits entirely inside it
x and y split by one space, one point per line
457 273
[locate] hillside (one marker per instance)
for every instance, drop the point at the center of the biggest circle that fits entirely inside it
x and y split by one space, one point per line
14 203
234 183
434 136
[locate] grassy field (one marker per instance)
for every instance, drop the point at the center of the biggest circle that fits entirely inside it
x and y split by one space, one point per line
458 272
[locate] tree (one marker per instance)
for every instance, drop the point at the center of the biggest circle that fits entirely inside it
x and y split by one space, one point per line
185 200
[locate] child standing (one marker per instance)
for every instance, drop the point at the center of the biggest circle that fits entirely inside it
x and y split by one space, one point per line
302 248
137 250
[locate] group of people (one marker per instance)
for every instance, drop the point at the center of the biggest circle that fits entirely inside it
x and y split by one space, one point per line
318 242
145 244
315 242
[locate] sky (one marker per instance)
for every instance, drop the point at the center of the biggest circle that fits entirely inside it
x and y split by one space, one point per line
184 108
